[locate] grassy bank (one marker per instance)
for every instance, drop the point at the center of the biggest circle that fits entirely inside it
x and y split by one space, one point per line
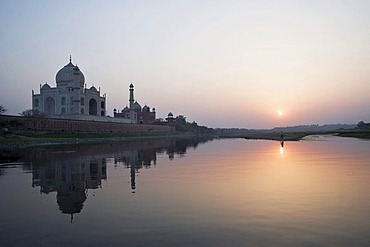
263 135
362 134
294 136
25 139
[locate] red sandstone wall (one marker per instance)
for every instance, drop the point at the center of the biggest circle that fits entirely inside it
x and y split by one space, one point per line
62 125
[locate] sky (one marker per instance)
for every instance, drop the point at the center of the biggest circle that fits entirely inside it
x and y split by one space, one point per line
244 64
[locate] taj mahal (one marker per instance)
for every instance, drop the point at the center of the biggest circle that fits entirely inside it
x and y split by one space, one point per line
71 99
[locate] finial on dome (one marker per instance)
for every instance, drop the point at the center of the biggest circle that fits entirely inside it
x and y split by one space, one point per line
76 68
70 58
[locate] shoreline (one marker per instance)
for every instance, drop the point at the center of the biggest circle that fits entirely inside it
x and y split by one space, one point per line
21 140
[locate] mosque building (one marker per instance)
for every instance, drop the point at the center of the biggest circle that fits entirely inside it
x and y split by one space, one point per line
143 115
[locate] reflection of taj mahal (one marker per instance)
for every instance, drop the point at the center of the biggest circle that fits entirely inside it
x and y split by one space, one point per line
73 171
71 99
70 179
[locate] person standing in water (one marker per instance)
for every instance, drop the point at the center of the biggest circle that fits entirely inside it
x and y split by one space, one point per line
282 136
282 139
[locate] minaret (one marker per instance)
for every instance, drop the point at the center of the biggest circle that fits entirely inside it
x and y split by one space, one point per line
131 100
76 91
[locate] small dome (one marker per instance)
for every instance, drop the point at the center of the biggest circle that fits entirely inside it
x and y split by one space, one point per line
126 109
146 108
170 114
45 87
93 89
65 75
137 106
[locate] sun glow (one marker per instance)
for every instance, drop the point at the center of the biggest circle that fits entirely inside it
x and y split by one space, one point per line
280 113
282 147
281 151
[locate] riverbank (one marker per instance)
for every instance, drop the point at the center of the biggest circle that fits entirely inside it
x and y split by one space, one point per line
27 139
293 136
274 136
22 139
361 134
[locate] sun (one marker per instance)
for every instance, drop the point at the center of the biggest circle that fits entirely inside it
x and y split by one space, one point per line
280 113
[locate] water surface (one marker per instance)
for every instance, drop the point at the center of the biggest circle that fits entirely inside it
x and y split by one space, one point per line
230 192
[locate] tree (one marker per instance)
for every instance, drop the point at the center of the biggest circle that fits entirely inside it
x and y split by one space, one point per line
34 117
32 113
363 125
2 110
183 126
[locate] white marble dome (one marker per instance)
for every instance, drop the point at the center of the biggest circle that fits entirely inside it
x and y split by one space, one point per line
65 75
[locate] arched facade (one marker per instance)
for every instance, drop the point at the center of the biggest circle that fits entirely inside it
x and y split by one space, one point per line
49 107
70 98
93 107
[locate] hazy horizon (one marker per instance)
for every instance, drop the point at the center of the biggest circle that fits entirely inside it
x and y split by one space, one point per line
242 64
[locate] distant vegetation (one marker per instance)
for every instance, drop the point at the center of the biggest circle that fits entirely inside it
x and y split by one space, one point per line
361 130
300 128
183 126
2 110
315 127
363 126
34 117
32 114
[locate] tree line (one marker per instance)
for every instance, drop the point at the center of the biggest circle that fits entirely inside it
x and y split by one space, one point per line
183 126
363 126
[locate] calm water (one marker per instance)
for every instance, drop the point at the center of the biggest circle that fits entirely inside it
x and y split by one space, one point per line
232 192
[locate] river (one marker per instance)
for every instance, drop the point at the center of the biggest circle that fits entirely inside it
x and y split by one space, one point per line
228 192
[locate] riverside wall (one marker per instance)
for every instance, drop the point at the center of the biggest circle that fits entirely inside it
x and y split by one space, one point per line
19 123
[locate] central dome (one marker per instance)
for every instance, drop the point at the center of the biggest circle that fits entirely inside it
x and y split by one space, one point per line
65 75
137 106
